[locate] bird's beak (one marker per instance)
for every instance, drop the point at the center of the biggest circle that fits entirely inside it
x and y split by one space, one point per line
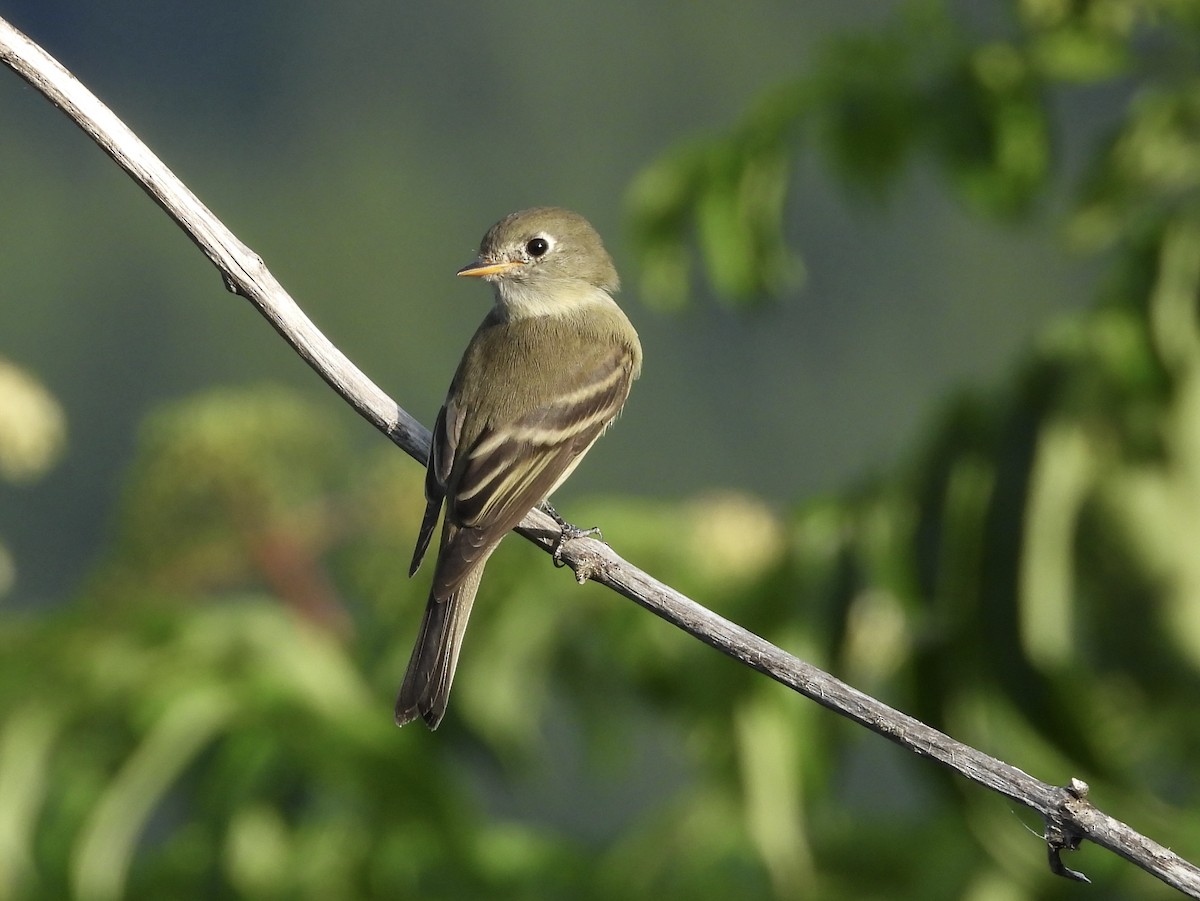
481 268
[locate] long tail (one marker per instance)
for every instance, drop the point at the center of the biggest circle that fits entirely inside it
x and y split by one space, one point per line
426 688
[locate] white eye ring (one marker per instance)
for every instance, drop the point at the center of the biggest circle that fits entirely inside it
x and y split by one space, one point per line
539 245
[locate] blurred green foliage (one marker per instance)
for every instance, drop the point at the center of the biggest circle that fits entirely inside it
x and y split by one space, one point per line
982 109
212 717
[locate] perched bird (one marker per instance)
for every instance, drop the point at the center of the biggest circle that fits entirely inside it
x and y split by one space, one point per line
544 375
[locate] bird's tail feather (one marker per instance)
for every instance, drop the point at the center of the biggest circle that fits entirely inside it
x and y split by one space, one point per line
426 688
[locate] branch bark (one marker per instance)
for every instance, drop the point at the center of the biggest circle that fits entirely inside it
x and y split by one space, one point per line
1069 816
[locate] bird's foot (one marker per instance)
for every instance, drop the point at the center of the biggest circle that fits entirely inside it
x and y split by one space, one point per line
567 533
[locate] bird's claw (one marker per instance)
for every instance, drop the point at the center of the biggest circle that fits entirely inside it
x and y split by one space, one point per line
567 533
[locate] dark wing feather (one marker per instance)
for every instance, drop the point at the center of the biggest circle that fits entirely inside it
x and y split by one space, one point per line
442 445
512 467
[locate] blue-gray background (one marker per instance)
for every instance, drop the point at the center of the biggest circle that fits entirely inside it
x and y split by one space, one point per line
363 148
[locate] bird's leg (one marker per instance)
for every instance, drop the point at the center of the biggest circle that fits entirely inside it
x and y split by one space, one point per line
567 532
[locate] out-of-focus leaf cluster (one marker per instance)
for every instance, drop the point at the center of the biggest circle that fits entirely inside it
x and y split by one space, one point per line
976 103
33 432
32 425
197 724
1025 585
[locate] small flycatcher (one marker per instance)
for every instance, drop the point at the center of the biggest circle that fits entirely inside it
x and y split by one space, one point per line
546 373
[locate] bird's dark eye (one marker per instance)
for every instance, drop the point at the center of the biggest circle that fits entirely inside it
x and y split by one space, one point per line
537 247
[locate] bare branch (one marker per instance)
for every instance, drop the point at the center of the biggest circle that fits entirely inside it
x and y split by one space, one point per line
1068 816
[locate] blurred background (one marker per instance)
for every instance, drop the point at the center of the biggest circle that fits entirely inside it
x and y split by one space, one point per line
916 284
